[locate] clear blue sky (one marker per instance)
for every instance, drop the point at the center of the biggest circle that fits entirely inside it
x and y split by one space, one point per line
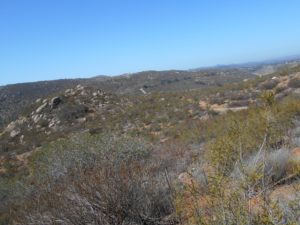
51 39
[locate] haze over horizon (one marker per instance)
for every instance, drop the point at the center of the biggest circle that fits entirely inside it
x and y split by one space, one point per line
70 39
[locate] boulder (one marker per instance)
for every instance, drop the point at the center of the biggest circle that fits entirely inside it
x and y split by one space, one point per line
143 91
83 93
54 122
41 108
81 120
55 102
38 100
69 92
10 126
15 133
79 87
36 118
22 139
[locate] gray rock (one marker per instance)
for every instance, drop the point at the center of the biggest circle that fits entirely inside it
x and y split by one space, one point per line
38 100
15 133
68 91
22 139
143 91
55 102
14 124
81 120
40 109
36 118
79 87
54 122
10 126
83 93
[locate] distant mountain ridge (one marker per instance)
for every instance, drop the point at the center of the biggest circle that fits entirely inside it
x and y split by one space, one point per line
255 66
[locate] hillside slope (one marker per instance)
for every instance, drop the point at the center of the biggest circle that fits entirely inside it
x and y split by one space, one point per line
166 157
14 98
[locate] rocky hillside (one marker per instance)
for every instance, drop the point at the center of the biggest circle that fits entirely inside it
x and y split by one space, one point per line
15 98
77 110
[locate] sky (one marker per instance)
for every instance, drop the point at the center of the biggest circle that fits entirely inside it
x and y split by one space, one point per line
57 39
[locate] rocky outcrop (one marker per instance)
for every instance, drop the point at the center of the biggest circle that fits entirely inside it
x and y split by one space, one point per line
70 112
